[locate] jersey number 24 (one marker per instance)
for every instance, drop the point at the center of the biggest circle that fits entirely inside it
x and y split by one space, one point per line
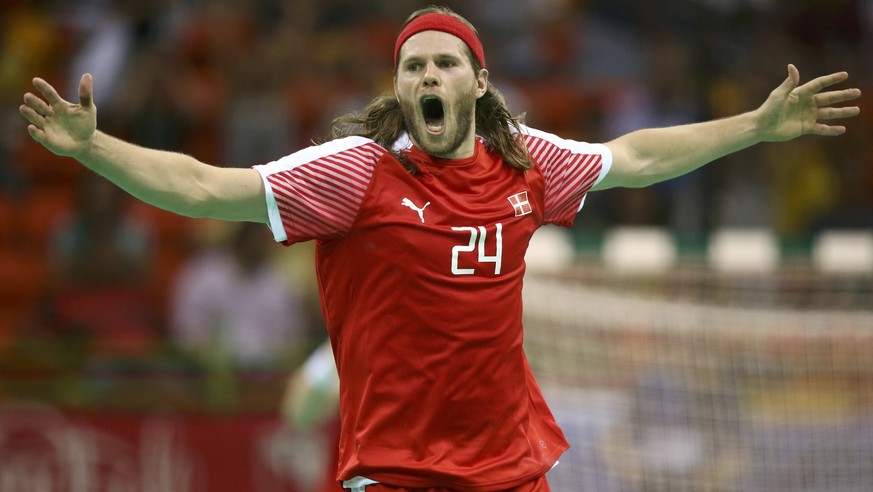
478 237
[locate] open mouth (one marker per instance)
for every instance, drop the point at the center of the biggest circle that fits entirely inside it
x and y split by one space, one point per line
434 114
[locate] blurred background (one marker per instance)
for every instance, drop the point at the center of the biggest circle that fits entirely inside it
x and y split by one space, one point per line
166 344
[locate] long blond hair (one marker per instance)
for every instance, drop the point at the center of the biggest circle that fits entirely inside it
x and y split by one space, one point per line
382 119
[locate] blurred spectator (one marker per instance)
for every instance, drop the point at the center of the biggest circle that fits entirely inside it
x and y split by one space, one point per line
667 443
231 300
11 179
805 191
29 42
260 124
103 35
99 273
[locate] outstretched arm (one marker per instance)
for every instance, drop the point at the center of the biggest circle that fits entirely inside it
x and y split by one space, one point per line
169 180
648 156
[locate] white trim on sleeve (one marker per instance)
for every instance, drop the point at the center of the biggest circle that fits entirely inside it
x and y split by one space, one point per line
275 219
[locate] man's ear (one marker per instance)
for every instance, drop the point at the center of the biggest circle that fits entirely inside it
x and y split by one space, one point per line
481 83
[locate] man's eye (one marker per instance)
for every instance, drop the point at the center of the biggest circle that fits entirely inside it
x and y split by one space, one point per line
412 67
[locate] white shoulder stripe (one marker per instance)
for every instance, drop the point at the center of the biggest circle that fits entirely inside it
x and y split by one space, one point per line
314 153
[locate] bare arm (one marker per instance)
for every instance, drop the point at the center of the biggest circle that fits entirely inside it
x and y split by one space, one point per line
648 156
312 393
169 180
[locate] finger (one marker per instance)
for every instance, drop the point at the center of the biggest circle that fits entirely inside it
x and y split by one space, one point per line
35 133
834 97
48 92
86 90
793 74
37 104
31 115
790 82
837 113
817 84
828 130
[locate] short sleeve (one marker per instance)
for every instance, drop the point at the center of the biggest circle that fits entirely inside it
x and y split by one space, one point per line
316 193
570 169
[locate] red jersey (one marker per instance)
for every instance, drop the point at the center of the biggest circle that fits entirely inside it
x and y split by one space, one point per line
421 280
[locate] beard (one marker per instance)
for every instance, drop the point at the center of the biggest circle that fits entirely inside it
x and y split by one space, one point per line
455 133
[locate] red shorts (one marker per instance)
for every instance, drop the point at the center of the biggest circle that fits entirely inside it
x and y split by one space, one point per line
538 485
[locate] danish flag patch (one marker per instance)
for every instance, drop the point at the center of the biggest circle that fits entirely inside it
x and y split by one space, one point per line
520 204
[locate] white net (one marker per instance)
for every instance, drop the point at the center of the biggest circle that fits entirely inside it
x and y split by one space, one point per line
692 380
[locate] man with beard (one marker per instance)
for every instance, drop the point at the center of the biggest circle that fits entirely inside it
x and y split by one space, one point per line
422 207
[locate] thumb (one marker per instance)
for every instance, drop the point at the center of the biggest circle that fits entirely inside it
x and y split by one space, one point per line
791 81
86 91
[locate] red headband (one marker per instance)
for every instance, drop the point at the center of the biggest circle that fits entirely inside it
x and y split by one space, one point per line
444 23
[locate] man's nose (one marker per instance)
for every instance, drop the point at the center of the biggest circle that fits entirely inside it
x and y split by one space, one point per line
430 75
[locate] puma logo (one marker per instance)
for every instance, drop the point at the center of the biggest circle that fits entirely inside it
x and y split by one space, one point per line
408 203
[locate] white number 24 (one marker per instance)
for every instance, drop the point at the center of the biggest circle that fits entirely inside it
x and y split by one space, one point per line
478 233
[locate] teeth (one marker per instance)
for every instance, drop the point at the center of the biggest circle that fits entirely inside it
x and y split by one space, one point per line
434 128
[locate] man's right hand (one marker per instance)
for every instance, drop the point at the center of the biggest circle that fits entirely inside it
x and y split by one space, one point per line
59 125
